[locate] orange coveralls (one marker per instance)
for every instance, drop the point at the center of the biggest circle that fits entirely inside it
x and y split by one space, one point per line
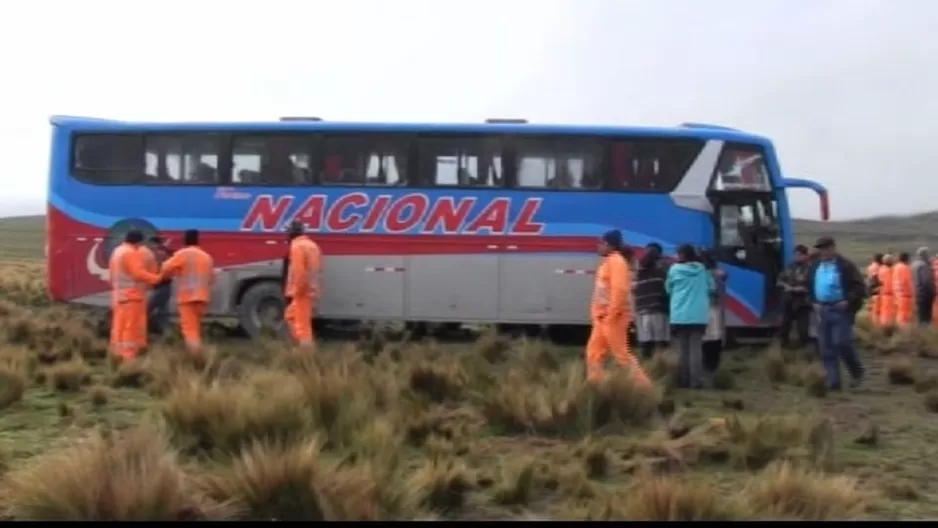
873 308
902 291
887 302
302 288
192 270
130 281
610 316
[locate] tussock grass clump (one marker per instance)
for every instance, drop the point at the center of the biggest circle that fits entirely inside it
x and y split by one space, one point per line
441 485
776 364
15 374
340 393
438 381
226 416
68 376
723 379
516 485
931 401
746 443
492 347
900 370
916 340
927 382
786 491
668 498
99 395
565 405
814 380
272 481
133 476
663 368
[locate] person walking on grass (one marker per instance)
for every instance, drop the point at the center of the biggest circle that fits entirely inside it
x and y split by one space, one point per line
838 291
609 311
689 286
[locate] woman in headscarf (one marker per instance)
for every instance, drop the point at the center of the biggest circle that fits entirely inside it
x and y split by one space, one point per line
609 310
689 288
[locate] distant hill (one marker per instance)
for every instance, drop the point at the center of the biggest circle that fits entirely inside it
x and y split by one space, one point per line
859 239
24 236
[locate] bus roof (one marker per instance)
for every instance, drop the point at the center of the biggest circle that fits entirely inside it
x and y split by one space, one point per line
695 130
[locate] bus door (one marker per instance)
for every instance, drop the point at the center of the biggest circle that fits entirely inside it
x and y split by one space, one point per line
748 237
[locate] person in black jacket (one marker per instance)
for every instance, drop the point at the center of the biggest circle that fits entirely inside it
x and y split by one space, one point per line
158 303
837 290
796 305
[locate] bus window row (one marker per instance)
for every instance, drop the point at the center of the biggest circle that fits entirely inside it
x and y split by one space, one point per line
581 163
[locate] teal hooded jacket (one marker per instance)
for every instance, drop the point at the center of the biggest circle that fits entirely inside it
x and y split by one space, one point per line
689 286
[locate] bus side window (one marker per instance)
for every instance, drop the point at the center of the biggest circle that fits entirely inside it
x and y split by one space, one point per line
471 162
365 160
271 160
559 164
188 159
651 164
623 172
109 158
742 167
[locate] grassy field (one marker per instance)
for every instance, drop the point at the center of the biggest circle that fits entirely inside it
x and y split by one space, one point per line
380 429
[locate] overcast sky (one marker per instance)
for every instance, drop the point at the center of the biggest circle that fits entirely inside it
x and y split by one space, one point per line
847 89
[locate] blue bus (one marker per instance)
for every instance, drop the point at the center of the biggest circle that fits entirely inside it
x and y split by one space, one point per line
492 222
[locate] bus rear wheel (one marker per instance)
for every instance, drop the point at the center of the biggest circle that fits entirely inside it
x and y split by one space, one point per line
260 312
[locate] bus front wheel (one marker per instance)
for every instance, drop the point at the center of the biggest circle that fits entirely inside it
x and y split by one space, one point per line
260 312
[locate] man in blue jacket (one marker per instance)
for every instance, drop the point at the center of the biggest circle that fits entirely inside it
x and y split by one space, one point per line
837 290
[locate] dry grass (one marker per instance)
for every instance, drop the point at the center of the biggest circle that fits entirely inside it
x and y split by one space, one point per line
384 429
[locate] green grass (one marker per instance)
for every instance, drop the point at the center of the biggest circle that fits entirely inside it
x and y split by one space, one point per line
23 237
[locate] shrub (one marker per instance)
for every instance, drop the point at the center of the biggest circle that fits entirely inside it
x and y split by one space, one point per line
131 477
226 416
785 491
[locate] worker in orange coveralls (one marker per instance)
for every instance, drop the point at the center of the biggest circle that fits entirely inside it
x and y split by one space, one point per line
301 288
887 301
609 311
130 281
903 291
872 282
192 271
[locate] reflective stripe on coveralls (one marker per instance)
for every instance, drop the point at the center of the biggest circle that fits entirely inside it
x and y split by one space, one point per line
130 281
192 270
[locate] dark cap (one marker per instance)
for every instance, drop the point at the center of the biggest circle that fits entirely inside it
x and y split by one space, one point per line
824 242
295 228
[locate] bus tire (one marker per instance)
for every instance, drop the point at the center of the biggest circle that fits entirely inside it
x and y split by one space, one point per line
260 310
